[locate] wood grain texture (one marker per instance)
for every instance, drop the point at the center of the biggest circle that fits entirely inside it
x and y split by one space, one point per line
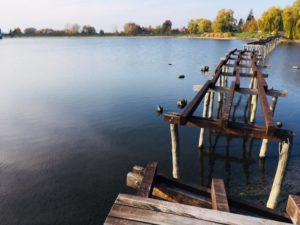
146 187
293 208
218 195
145 210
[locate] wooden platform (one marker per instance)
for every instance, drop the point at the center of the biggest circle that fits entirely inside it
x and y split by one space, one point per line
130 209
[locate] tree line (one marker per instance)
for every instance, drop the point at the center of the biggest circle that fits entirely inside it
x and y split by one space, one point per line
273 21
70 29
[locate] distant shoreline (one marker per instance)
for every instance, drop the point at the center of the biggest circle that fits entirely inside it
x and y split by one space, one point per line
185 36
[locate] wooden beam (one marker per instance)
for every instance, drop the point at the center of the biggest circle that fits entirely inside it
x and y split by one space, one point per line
241 66
152 211
229 102
245 91
190 109
218 195
267 113
293 208
234 128
230 74
146 187
174 190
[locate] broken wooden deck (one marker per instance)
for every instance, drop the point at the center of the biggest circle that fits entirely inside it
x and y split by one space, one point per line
238 65
188 204
130 209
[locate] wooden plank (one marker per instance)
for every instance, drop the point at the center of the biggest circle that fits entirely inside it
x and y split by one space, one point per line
117 221
229 102
293 208
190 109
267 113
261 80
245 91
234 128
146 187
241 74
241 66
178 213
218 195
199 196
237 78
141 212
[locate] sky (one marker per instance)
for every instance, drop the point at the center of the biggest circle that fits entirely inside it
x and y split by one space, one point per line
111 14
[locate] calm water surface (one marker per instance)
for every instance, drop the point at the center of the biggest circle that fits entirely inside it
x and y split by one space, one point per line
77 113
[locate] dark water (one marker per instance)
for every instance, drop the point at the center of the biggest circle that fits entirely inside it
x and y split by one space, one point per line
77 113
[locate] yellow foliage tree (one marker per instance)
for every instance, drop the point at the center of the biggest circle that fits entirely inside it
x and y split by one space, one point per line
271 20
251 26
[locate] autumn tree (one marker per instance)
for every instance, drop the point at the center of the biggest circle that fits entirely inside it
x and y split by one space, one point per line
132 29
224 21
72 28
204 25
251 26
17 30
193 27
271 21
290 16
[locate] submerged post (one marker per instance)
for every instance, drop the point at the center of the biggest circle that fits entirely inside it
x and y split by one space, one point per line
284 150
264 145
253 102
175 149
204 114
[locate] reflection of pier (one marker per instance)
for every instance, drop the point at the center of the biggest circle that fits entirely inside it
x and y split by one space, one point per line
238 65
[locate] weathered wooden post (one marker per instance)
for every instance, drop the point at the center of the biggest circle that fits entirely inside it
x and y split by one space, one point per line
253 102
284 150
204 114
211 104
175 149
264 145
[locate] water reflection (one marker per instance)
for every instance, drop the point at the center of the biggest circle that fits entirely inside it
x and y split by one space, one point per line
76 114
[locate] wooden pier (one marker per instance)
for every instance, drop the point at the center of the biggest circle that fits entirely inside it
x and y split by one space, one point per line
180 203
246 63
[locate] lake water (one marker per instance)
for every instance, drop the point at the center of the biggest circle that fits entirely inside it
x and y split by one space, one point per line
77 113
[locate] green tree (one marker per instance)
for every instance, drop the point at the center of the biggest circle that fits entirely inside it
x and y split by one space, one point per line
297 30
250 16
224 21
204 25
240 25
132 29
271 21
30 31
87 29
166 27
290 16
193 27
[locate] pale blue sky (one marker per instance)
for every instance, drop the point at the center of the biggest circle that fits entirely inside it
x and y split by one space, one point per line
106 14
